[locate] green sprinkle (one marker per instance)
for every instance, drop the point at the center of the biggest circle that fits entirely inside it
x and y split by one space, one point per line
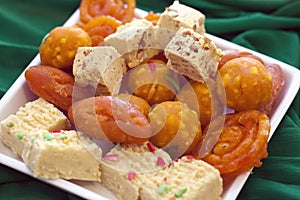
10 124
171 80
63 137
48 137
32 141
180 192
163 189
20 136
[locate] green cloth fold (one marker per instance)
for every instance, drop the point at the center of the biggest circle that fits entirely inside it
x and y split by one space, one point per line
282 45
270 27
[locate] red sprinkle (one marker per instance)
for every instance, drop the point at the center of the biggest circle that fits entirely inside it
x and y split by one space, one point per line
151 147
111 157
57 131
131 175
165 179
190 157
160 161
152 66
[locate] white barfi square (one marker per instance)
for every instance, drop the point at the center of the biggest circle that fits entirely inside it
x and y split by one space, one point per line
62 154
124 162
35 115
178 15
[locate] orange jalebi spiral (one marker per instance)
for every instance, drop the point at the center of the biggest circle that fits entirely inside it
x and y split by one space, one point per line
90 9
242 143
101 27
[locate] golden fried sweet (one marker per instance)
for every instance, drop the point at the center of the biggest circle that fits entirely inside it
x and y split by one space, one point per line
247 83
153 81
201 98
60 46
138 102
236 54
175 127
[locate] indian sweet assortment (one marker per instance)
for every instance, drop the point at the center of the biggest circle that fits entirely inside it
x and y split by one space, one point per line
178 113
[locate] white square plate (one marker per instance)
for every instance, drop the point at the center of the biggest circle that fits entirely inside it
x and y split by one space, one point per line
19 94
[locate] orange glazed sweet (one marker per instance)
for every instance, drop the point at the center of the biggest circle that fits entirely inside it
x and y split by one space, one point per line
242 143
101 27
52 84
136 101
111 119
90 9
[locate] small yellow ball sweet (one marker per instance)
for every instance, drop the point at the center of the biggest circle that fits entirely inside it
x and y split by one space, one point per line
60 46
247 83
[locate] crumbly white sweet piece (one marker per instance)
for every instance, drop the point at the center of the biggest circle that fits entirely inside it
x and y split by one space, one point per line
187 179
138 34
100 66
138 41
125 162
178 15
61 154
193 55
35 115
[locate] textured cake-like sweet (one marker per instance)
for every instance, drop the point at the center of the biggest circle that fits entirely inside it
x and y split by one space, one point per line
62 154
135 173
35 115
179 15
124 162
186 178
193 55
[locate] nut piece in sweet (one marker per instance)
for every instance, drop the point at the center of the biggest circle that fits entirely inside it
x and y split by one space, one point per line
247 83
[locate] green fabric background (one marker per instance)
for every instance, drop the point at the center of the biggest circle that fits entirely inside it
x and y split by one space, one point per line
271 27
